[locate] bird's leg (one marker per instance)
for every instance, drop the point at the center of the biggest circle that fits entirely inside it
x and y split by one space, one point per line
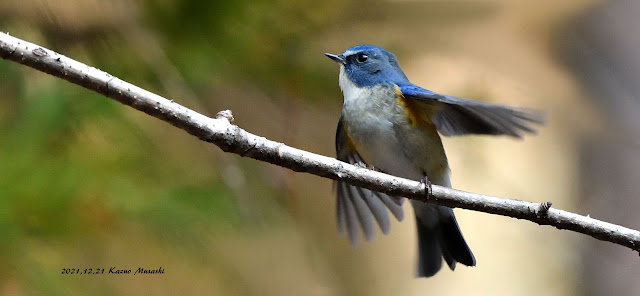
427 186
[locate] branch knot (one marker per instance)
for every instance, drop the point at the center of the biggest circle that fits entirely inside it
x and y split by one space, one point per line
543 209
226 114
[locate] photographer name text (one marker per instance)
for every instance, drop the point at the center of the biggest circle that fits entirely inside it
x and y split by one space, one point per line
113 270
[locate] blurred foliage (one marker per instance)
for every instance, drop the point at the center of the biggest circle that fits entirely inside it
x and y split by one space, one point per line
259 40
77 166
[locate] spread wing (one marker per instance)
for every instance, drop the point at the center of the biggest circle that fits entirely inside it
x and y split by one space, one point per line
454 116
358 207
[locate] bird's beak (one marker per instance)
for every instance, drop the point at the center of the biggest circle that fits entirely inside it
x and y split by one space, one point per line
335 58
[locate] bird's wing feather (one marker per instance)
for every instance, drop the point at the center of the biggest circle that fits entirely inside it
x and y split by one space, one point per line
357 205
455 116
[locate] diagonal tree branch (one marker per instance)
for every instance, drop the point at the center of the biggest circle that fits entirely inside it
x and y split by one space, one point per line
231 138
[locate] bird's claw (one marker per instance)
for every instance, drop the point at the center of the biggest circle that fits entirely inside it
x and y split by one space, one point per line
364 165
427 186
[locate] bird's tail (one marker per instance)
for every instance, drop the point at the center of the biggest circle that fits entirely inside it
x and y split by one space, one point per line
438 238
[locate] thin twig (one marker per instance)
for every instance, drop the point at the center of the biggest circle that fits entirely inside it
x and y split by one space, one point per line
231 138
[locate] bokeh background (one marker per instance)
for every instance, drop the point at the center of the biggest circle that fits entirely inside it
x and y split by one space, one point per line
88 183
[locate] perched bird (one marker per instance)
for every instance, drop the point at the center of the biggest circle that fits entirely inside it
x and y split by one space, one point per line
392 125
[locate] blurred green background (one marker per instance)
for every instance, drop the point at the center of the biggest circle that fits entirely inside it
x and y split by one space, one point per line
86 182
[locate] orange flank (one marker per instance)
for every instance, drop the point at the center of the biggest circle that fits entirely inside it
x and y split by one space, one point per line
416 115
348 139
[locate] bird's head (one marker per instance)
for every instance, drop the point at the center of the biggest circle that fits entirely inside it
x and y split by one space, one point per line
368 65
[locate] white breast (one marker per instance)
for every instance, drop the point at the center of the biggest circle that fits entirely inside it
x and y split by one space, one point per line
384 138
368 114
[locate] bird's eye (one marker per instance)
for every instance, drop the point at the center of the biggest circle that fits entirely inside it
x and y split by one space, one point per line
362 57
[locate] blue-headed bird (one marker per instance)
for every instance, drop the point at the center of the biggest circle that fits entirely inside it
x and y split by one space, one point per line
393 126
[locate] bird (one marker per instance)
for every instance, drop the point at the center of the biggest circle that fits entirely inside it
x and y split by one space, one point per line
393 126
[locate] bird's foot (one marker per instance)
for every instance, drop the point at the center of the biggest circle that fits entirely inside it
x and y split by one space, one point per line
364 165
427 186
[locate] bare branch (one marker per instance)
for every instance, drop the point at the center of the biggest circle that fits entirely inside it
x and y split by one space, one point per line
231 138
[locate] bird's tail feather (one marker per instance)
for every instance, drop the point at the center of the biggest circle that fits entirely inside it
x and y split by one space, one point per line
429 251
441 240
454 244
